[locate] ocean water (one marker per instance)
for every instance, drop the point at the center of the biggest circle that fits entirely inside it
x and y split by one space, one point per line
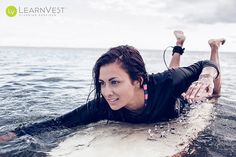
37 84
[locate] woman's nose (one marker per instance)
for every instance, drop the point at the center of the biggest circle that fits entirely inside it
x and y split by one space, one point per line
106 91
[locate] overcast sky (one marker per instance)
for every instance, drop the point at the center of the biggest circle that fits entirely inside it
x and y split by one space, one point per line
144 24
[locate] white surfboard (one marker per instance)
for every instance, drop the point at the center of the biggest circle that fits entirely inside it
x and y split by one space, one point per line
127 140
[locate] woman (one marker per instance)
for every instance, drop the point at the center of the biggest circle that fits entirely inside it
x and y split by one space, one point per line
125 92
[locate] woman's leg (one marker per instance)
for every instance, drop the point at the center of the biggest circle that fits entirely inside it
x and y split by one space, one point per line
175 60
174 63
215 45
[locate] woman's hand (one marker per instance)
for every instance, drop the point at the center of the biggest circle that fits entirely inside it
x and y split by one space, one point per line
200 90
7 137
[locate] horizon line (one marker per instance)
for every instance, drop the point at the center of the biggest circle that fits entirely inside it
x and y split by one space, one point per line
93 48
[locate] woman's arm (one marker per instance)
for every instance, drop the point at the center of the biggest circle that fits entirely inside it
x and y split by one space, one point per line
185 79
85 114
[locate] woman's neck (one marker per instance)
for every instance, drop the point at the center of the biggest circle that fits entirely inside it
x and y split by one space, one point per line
138 101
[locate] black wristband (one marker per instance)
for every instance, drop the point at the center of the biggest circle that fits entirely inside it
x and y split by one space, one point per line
178 49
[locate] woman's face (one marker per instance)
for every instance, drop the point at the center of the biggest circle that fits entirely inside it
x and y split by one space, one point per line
117 87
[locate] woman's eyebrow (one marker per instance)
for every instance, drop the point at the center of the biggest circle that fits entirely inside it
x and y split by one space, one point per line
110 79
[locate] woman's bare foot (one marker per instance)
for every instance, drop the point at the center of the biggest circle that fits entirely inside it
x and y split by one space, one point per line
180 37
215 43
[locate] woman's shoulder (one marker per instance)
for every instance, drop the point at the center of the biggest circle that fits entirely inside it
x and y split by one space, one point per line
161 77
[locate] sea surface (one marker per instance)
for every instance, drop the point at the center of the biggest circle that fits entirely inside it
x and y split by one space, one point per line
37 84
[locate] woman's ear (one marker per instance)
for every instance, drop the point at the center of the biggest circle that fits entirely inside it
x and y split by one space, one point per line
139 82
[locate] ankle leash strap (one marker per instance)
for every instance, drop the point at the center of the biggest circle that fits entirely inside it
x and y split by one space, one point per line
178 49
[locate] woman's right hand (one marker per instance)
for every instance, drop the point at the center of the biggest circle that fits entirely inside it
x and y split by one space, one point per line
200 90
7 137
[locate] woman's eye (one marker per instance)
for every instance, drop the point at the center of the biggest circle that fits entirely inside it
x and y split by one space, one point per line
115 82
101 83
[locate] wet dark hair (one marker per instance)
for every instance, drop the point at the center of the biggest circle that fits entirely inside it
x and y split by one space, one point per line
130 60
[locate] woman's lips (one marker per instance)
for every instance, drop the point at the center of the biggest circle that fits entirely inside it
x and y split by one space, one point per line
112 100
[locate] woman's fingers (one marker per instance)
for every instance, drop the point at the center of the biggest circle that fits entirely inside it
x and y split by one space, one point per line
195 90
190 90
198 91
7 137
210 89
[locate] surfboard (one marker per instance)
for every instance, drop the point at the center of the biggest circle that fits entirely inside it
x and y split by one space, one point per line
128 140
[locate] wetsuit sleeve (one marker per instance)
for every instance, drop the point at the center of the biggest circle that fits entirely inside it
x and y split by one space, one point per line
183 77
85 114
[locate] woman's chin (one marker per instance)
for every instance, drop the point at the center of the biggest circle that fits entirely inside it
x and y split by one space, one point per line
115 107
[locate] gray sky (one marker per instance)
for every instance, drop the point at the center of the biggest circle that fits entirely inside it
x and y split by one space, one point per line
144 24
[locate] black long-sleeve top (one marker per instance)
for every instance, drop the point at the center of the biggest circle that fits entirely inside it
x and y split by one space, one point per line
163 89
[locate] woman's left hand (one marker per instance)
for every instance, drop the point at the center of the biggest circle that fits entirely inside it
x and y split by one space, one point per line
200 90
7 137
